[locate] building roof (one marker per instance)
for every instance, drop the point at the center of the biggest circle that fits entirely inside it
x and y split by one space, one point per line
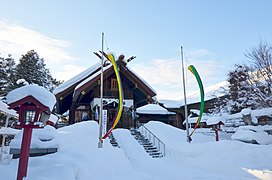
77 79
211 92
4 109
153 109
75 88
215 120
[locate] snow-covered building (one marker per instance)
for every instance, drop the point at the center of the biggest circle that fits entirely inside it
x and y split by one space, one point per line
212 94
81 94
6 117
155 112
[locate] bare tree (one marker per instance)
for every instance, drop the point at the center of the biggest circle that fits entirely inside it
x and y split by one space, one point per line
260 59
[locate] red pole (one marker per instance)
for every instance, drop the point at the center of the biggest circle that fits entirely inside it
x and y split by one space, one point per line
216 135
24 153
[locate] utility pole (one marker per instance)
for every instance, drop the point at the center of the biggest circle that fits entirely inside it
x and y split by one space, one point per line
100 142
185 100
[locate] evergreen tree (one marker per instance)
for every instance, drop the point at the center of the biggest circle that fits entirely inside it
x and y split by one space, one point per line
220 104
32 69
3 75
240 90
7 73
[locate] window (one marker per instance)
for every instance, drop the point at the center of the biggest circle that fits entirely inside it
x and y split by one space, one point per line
114 84
29 115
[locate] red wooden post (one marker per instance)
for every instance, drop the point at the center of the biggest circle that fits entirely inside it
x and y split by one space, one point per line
216 135
216 129
24 153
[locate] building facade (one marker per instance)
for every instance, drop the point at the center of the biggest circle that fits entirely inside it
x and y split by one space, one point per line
81 94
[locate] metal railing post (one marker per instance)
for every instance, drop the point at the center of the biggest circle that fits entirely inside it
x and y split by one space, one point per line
149 135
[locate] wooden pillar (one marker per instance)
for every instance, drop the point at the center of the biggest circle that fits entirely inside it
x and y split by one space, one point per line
72 113
24 154
178 119
216 135
216 129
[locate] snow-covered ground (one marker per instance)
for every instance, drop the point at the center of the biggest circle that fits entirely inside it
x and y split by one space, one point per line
79 158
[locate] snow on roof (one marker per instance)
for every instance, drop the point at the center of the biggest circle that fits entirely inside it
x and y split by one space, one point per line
53 118
5 110
262 112
246 111
170 103
91 77
211 92
215 120
77 78
85 74
252 128
40 93
196 111
194 119
152 109
254 113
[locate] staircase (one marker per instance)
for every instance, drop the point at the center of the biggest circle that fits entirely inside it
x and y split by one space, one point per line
113 141
150 148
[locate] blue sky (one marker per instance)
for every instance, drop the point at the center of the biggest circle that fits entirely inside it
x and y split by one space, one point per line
214 34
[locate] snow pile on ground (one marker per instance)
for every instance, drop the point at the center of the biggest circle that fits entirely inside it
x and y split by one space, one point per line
174 137
252 134
41 138
8 131
79 158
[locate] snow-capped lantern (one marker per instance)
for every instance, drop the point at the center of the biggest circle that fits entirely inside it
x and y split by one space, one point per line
32 113
216 122
34 104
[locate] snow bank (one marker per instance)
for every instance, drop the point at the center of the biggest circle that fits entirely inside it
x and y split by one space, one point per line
132 149
79 158
41 138
252 134
8 130
173 137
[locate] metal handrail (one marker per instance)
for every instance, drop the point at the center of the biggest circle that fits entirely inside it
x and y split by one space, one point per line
153 139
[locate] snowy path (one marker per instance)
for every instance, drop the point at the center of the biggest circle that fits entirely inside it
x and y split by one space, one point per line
79 158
